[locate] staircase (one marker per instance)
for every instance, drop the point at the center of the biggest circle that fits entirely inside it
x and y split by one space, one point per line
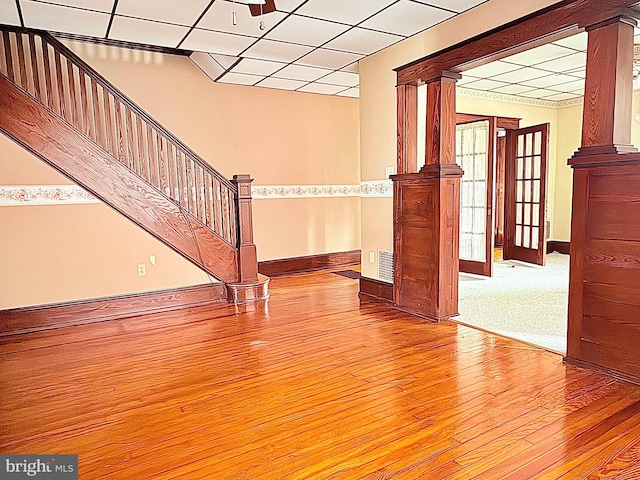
64 112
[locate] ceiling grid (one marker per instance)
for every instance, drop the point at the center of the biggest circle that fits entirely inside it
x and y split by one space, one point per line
305 45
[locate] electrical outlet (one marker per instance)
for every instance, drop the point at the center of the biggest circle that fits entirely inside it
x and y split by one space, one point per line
142 269
372 257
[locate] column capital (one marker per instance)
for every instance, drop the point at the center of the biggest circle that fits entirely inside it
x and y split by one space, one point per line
445 76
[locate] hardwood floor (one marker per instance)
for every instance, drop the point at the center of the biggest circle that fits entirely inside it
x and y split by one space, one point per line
311 386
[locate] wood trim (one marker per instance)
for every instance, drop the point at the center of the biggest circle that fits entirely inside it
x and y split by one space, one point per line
309 263
508 123
18 321
635 379
564 19
559 246
374 289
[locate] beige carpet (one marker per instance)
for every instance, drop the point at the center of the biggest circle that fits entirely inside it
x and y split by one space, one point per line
520 301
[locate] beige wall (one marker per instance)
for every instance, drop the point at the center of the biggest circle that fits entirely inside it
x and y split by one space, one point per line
378 103
60 253
569 136
67 252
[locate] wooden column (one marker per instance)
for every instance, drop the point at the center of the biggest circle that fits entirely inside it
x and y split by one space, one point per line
427 215
441 119
607 112
407 128
604 305
247 253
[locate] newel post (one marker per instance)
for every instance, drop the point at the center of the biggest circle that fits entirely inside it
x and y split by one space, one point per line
247 254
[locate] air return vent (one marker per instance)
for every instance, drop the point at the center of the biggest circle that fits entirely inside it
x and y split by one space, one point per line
385 266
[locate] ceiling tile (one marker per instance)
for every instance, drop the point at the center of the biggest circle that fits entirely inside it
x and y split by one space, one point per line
466 79
240 79
577 72
577 42
577 60
455 5
407 18
351 92
9 13
207 64
360 40
306 31
354 68
538 93
257 67
491 69
561 96
351 12
64 19
281 83
512 89
540 54
98 5
164 10
216 42
321 88
288 5
220 17
341 78
485 84
329 59
548 80
301 72
569 86
522 74
226 61
277 51
144 31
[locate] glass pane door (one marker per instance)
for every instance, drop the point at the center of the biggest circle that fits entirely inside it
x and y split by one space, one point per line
472 142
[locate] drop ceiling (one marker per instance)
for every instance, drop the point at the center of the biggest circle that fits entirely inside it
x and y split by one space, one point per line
554 71
306 45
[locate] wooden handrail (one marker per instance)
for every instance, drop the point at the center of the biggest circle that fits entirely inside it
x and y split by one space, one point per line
66 85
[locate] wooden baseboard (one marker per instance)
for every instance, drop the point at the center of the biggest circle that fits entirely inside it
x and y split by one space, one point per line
604 370
378 290
47 317
310 263
558 246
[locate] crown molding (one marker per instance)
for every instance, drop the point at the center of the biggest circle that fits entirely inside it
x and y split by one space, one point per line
501 97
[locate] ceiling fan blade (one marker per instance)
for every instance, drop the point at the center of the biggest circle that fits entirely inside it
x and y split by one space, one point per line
268 7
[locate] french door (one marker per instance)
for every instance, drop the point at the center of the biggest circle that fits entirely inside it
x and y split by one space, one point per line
475 155
525 194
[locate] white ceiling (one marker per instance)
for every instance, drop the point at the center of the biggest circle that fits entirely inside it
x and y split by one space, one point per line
306 45
554 71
